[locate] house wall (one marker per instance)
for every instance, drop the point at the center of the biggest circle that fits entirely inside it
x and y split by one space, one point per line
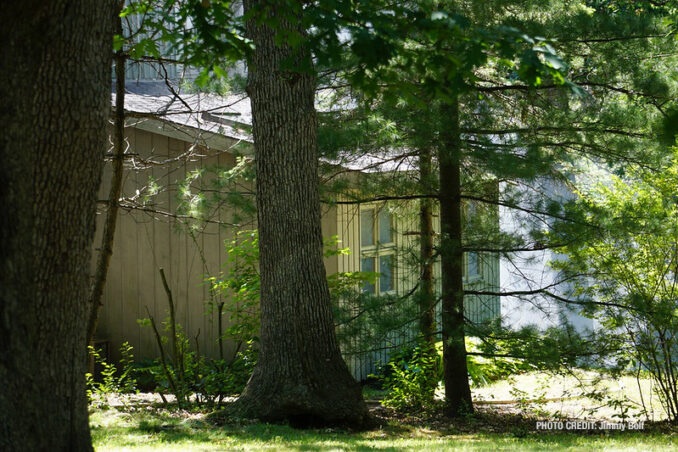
531 271
147 240
406 227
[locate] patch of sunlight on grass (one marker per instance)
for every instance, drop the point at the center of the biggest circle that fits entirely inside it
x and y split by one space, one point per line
142 430
534 385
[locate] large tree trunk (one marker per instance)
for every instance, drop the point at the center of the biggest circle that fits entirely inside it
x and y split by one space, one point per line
300 376
457 390
55 61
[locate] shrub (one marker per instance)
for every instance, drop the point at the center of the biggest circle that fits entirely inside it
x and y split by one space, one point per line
413 373
207 380
112 380
240 285
626 272
411 377
484 370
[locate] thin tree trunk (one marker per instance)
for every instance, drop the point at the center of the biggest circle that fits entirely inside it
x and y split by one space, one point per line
106 249
427 301
163 360
300 376
55 59
457 390
177 359
220 328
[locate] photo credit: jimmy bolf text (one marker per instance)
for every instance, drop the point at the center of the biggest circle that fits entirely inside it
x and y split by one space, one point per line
589 425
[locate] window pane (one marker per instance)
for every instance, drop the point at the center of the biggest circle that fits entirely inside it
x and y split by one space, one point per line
366 227
367 265
386 273
473 265
385 229
470 213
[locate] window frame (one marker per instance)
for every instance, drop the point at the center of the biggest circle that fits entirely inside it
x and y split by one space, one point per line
477 276
377 249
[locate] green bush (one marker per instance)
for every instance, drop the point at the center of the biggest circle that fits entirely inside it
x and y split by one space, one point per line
240 285
414 371
485 370
204 380
411 377
214 379
112 380
143 371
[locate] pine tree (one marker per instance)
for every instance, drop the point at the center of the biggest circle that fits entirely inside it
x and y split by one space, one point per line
515 120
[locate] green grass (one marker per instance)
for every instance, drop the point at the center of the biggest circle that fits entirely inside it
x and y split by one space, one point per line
576 404
138 426
151 429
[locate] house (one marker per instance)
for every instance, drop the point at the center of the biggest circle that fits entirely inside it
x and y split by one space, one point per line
527 271
170 136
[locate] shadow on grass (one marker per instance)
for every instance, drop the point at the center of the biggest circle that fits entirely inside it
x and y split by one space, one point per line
167 430
162 431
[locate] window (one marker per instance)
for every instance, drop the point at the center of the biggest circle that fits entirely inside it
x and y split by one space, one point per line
385 227
367 265
367 228
472 258
472 265
377 248
386 273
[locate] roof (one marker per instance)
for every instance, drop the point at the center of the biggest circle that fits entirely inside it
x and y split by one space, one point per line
397 160
222 122
160 107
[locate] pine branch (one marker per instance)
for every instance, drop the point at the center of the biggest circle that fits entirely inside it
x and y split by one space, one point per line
542 291
524 209
526 88
512 130
614 38
541 247
381 198
130 207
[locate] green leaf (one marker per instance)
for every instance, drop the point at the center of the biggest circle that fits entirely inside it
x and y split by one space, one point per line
118 42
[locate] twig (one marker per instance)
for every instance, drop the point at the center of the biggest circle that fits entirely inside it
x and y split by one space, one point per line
170 380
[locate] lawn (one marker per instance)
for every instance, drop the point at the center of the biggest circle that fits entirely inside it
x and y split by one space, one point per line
139 422
158 429
570 395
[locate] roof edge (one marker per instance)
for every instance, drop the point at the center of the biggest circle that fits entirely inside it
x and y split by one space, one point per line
189 134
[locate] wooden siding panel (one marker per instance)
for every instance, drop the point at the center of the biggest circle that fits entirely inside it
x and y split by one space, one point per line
129 257
149 285
161 246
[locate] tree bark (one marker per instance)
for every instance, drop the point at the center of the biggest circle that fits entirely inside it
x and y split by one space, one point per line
457 390
55 100
300 376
